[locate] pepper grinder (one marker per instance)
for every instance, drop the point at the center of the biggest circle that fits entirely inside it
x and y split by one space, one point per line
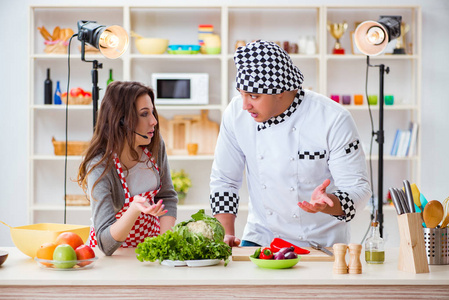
340 266
355 266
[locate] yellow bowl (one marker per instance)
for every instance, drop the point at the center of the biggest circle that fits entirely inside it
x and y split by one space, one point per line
30 237
151 45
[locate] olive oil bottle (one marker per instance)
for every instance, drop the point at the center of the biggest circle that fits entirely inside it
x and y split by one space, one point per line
374 246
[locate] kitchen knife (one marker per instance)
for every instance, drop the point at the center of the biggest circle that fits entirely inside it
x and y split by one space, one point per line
408 193
399 198
403 201
317 246
395 199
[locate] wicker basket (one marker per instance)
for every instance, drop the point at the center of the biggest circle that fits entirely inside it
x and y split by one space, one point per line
77 200
77 100
56 47
73 147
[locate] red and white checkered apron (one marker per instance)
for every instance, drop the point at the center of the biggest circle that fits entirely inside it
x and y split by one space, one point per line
145 225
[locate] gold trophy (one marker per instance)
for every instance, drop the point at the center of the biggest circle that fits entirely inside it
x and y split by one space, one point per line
337 30
400 43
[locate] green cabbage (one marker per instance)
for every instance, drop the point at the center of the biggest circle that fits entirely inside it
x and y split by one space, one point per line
180 243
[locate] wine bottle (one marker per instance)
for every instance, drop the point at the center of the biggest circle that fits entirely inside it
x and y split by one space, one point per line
48 89
57 98
110 77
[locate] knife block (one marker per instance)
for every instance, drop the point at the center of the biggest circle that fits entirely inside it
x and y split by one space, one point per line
412 251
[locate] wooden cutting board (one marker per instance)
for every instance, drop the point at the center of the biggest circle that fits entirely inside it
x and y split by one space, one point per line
243 253
204 132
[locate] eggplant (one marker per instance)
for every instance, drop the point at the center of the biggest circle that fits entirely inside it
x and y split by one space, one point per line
286 250
290 255
279 255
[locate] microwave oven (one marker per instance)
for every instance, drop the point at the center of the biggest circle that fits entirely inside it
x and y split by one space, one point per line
181 88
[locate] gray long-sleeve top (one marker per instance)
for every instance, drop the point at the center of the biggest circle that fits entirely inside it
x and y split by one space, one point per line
108 198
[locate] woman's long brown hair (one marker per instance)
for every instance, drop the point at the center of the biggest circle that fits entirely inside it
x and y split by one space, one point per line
117 120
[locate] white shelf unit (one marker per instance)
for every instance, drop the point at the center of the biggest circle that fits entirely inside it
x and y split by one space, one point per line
324 73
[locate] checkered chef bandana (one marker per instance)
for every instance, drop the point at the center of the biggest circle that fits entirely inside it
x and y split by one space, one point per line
265 68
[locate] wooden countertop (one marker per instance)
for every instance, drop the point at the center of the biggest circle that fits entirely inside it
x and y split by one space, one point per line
122 270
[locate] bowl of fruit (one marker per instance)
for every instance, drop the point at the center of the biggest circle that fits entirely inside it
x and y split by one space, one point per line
283 259
66 252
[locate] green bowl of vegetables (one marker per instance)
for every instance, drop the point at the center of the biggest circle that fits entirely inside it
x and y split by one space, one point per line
275 264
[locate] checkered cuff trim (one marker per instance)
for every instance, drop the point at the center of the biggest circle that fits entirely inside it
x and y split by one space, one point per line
347 205
312 155
224 202
352 146
286 114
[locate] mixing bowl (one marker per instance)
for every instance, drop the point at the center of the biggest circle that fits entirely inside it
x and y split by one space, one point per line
151 45
30 237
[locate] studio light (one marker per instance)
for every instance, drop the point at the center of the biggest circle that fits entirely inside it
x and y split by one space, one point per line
371 38
112 41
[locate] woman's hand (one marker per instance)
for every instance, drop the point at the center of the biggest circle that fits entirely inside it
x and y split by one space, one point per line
141 204
319 200
231 240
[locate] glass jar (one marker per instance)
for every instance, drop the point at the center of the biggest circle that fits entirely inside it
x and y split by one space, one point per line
374 246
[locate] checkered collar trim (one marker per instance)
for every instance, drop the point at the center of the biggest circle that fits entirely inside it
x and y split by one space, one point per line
286 114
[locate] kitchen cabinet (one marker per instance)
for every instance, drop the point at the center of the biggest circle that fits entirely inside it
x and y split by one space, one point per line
324 73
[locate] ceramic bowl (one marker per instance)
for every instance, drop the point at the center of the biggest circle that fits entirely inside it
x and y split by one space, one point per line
3 256
151 45
213 50
30 237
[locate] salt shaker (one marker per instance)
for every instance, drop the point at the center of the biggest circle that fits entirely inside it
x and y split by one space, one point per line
355 266
340 266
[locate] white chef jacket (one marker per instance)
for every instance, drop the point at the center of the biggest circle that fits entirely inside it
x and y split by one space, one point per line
284 164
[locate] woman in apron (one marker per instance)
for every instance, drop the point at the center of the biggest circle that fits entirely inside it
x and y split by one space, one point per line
125 171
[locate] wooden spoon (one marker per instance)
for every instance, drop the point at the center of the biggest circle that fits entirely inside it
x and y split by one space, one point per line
133 34
433 213
6 224
445 221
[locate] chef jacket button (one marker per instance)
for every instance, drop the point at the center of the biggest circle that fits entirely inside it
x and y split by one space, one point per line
293 128
269 212
294 216
260 157
292 158
300 238
292 189
264 186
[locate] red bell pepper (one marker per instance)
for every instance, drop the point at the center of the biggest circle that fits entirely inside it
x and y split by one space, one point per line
277 244
266 253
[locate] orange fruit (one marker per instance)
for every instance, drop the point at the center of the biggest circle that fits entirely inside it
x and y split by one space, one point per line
69 238
46 252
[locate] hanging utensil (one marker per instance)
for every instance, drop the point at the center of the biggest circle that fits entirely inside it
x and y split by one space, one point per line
433 213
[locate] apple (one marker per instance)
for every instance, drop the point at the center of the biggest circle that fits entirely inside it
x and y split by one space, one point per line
64 257
84 252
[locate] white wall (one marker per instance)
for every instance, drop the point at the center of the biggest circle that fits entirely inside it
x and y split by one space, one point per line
14 97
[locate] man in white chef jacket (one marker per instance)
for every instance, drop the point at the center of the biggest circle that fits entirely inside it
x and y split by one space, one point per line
305 167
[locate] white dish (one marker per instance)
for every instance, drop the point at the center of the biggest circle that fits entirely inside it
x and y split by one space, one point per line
202 262
174 263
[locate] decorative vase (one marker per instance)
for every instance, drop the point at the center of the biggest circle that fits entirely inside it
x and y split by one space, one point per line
181 197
